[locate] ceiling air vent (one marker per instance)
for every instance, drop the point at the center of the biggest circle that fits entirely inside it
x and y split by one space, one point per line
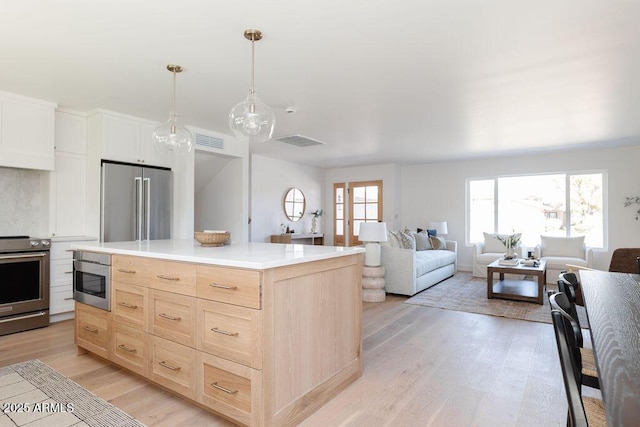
299 141
209 141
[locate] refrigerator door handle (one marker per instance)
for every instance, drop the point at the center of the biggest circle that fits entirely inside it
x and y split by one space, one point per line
147 208
138 219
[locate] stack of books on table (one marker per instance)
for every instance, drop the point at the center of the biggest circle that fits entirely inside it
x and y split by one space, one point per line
509 262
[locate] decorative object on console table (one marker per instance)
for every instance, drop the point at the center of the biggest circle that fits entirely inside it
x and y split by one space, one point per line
314 221
440 227
372 233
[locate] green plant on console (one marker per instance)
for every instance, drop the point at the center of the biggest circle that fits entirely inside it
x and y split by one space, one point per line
317 213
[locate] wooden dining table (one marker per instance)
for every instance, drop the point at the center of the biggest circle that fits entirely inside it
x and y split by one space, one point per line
612 302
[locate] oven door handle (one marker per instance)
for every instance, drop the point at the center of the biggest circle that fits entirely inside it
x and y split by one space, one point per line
28 316
39 254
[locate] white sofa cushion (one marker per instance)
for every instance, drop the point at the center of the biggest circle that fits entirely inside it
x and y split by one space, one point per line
566 247
427 261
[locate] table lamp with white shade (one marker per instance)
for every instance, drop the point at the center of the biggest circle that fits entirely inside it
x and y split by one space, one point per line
372 233
439 226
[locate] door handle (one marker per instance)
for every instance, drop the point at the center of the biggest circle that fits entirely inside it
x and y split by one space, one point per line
147 207
138 182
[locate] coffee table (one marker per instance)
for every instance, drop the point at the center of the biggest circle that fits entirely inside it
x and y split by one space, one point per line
518 290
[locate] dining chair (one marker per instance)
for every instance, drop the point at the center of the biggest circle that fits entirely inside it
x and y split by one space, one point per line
625 260
584 356
583 411
571 281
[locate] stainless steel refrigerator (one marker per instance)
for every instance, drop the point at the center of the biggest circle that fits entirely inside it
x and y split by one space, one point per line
136 202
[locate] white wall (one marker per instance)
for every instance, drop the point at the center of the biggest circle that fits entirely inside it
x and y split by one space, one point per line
436 191
389 174
270 180
219 204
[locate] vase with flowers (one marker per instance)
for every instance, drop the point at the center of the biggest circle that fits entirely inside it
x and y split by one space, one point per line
510 242
314 221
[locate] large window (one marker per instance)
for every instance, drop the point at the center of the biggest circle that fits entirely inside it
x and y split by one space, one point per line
554 205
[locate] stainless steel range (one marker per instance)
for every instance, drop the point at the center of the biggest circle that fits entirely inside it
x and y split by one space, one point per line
24 283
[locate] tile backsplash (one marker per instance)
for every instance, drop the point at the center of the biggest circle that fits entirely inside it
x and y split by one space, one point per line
20 202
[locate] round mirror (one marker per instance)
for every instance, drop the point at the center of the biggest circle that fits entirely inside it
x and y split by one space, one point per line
294 204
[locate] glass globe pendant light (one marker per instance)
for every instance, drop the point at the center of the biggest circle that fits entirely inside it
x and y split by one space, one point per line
172 135
252 119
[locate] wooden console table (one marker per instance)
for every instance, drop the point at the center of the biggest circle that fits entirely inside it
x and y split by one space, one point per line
299 238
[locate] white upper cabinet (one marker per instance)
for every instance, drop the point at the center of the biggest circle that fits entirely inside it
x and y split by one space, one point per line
67 183
71 132
127 139
27 132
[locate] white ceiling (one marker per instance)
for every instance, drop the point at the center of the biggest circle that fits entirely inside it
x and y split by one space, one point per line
378 80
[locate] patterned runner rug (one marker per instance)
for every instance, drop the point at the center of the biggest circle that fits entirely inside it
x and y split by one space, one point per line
463 292
33 394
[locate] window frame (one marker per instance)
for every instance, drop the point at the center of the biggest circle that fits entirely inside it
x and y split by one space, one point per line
567 178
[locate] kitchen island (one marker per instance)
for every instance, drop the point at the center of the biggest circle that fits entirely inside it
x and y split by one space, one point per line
262 334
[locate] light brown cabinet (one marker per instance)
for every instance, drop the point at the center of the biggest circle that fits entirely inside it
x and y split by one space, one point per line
93 329
261 347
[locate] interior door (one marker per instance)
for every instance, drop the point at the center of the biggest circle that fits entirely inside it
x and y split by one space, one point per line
365 205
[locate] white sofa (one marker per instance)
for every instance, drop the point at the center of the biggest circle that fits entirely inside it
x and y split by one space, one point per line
487 251
409 271
560 251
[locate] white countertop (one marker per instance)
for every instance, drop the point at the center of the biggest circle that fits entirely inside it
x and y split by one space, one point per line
252 255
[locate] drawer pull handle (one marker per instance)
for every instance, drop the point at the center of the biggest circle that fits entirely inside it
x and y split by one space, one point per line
166 316
217 285
124 270
220 331
69 298
162 276
125 348
68 272
166 365
125 305
86 328
226 390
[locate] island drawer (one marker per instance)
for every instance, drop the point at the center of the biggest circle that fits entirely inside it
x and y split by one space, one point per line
228 387
173 366
93 329
130 348
129 305
178 277
173 316
228 285
231 332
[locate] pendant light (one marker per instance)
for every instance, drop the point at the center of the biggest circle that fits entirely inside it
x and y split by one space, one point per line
172 135
252 119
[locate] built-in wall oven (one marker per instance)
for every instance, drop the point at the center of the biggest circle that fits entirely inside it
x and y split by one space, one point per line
24 283
91 279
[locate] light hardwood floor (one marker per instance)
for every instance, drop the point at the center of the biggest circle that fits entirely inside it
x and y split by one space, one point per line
422 367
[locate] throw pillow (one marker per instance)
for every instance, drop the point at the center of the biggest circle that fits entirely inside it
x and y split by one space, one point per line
422 241
570 247
438 242
429 232
394 239
493 245
407 240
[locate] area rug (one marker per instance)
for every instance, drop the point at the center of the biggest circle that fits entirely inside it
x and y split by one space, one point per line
463 292
33 394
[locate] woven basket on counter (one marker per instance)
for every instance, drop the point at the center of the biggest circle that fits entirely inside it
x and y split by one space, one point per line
214 238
